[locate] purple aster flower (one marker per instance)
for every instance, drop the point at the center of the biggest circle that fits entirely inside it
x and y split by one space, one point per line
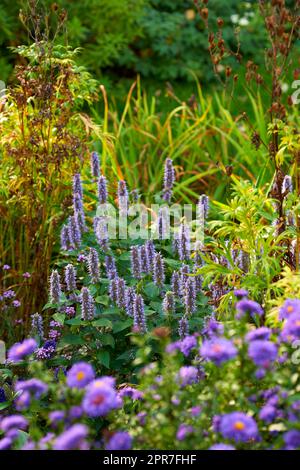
22 402
218 350
158 270
95 164
80 375
187 344
56 417
100 399
131 392
93 265
176 284
5 443
246 306
195 411
139 319
34 386
262 352
136 267
169 303
292 439
291 329
183 329
70 277
102 190
19 350
13 422
289 307
238 426
75 412
213 328
221 446
72 438
263 333
187 375
240 293
268 413
183 431
119 441
87 304
122 197
55 287
173 347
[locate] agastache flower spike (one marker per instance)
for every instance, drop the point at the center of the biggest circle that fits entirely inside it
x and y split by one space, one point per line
110 267
203 207
184 242
169 303
74 231
95 164
70 277
190 296
169 178
158 270
87 305
93 265
121 293
64 238
184 271
102 190
102 234
136 262
198 279
77 185
183 327
130 296
150 249
144 260
122 197
176 284
113 289
55 287
139 314
37 328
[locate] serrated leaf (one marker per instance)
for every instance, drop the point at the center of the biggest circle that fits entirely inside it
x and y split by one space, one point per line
102 322
122 325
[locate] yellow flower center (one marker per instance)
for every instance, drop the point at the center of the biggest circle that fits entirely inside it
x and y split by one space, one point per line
80 375
239 425
298 323
20 349
217 348
290 309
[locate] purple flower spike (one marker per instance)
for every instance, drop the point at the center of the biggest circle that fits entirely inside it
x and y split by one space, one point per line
130 296
110 267
190 296
169 303
70 277
176 284
139 314
123 197
121 293
136 268
93 265
183 327
55 287
159 270
87 305
95 164
184 242
102 190
169 179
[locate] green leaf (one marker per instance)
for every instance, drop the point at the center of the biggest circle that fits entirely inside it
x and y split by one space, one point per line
151 290
122 325
74 321
107 340
104 358
59 317
102 322
4 404
72 340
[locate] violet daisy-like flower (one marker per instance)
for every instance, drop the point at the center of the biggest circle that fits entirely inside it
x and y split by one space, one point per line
100 398
292 439
183 431
258 333
169 303
70 277
5 443
22 402
187 375
262 352
20 350
240 293
80 375
102 190
268 413
55 287
221 446
56 417
13 422
291 329
119 441
158 270
139 318
95 164
238 426
93 265
218 350
34 386
122 197
250 307
72 438
289 307
187 344
212 328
